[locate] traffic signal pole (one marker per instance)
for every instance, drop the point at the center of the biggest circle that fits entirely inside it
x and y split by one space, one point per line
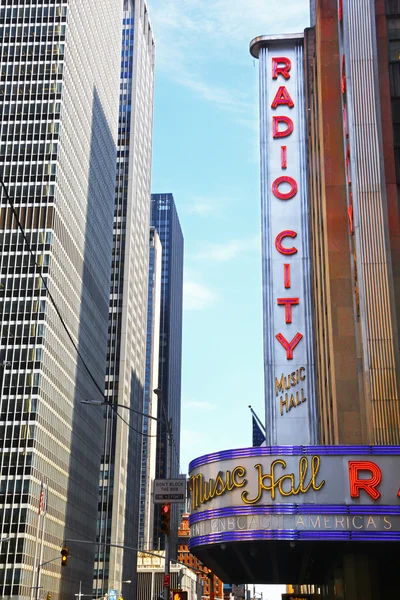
167 574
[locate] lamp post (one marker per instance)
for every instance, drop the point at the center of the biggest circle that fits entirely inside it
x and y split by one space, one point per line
168 423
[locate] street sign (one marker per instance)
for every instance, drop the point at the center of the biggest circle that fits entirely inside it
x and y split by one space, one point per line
112 594
166 580
169 490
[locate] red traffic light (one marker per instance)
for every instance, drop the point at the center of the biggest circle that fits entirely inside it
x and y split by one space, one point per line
165 518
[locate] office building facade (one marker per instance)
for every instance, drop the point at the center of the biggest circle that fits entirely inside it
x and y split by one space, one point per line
164 218
58 126
119 482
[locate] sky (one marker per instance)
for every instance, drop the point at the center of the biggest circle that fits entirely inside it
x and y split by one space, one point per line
206 152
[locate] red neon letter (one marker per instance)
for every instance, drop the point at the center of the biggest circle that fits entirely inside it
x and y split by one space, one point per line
288 303
289 346
280 237
284 179
283 157
343 75
275 125
369 485
277 70
286 276
282 96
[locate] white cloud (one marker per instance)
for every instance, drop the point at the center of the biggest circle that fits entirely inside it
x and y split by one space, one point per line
228 250
193 37
199 405
206 205
200 208
228 21
197 296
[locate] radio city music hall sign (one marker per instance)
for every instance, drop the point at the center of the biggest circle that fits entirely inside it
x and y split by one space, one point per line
288 319
301 492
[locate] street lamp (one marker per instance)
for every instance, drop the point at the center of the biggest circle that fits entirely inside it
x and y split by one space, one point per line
116 405
6 539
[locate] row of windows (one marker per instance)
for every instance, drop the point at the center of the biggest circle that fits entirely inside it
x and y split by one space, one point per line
33 237
30 191
28 130
33 12
34 70
33 52
40 110
30 170
31 31
14 91
27 306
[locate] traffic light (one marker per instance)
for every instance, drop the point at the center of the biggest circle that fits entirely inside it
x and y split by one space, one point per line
165 518
64 556
179 595
48 597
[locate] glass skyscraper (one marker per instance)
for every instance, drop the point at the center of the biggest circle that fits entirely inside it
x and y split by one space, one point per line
58 126
119 482
164 218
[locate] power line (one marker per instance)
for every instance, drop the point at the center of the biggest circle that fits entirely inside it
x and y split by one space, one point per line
129 425
63 323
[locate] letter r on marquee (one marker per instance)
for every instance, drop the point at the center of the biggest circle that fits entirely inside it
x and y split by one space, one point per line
368 485
281 70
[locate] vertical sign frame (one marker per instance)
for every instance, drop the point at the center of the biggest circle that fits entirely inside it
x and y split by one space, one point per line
289 367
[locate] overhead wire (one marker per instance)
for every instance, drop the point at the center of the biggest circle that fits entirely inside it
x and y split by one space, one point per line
62 321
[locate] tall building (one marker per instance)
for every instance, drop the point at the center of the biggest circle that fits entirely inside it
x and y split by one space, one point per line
149 438
164 218
349 97
126 361
354 178
58 128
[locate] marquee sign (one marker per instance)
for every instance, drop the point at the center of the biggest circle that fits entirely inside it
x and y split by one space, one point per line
288 336
318 492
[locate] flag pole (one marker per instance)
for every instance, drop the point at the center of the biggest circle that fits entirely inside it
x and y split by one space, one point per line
257 419
42 540
36 542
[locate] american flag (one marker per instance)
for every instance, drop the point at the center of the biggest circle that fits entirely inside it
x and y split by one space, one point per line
43 499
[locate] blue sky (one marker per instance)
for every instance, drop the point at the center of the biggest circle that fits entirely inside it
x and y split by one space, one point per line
205 151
